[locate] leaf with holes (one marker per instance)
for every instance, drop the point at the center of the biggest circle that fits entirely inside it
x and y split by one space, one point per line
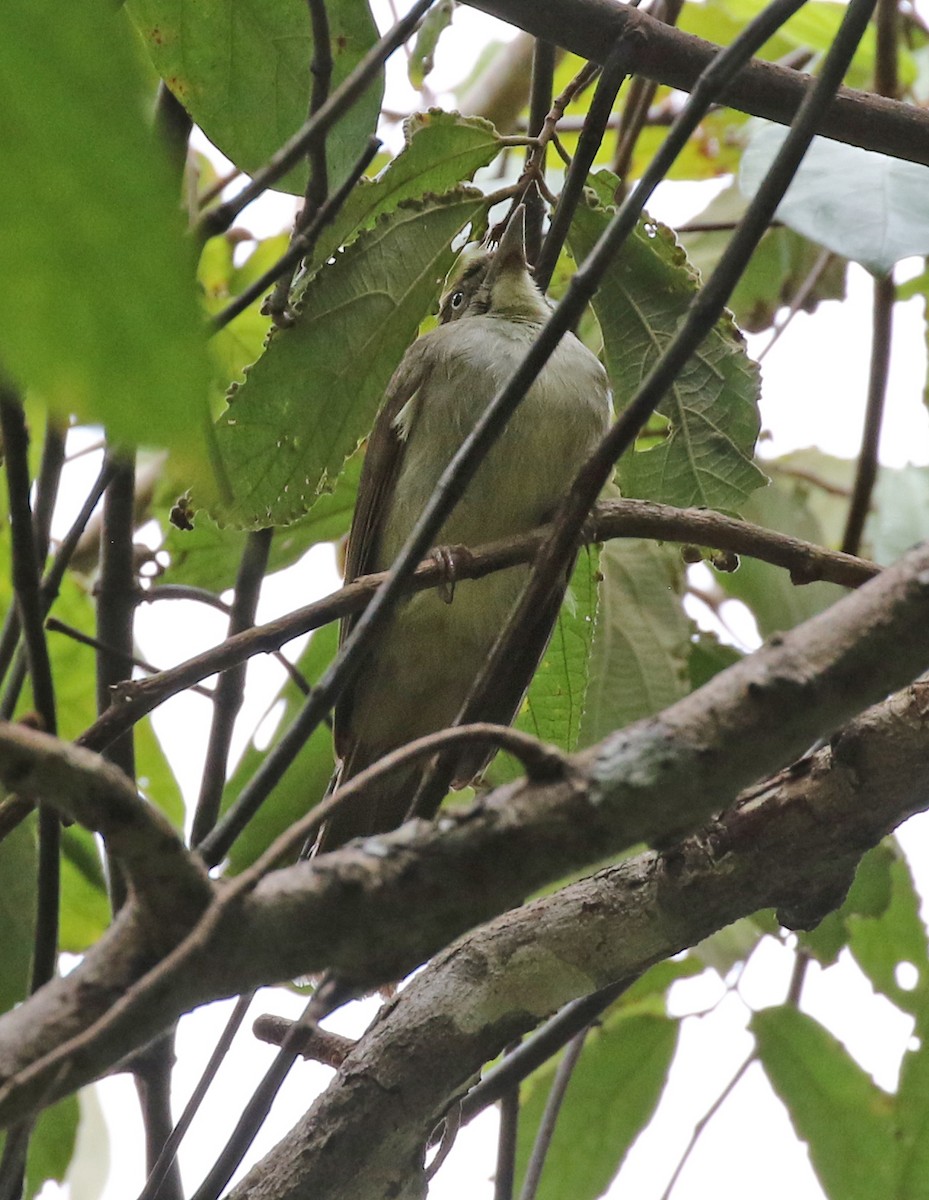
311 397
704 457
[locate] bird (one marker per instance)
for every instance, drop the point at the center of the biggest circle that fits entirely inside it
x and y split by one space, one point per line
421 665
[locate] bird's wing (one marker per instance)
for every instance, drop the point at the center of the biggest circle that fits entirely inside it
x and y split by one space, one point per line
383 460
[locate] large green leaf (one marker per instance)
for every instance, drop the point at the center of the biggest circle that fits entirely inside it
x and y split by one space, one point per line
613 1092
705 455
98 303
845 1119
310 398
441 151
241 68
639 662
865 206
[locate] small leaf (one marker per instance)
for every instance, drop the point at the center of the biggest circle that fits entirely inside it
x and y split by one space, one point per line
241 68
612 1095
311 397
705 456
865 206
845 1119
642 639
422 56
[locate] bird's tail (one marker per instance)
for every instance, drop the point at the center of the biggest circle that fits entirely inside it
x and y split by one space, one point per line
382 805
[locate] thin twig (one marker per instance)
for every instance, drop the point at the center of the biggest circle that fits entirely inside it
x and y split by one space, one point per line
317 185
704 1122
614 72
553 1103
327 998
540 1047
866 473
230 689
54 625
168 1153
636 109
302 243
540 101
505 1170
798 299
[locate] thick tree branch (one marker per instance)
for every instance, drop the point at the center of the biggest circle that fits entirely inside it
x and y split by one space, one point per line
351 910
806 832
667 55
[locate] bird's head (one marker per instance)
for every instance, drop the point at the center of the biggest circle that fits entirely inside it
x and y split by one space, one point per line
496 283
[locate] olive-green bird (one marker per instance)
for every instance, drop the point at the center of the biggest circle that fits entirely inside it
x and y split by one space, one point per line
422 664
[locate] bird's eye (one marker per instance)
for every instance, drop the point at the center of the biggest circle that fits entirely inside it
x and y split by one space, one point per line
457 300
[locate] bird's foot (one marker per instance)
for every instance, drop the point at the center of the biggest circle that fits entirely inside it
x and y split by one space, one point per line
449 560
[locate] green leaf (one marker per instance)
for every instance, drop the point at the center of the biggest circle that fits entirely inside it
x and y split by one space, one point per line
422 56
311 397
912 1113
98 305
897 520
306 779
869 896
845 1119
208 555
85 904
642 639
613 1093
554 704
865 206
897 936
776 603
709 656
441 151
705 456
241 68
51 1145
18 859
777 271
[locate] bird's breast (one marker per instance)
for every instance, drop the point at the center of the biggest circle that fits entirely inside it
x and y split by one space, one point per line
531 465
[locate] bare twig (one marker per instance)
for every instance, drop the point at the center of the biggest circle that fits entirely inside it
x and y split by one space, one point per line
546 1130
866 473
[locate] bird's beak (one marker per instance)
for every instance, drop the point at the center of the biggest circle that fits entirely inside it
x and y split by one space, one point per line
510 254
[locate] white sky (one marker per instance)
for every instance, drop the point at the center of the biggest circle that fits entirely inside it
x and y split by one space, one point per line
812 395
